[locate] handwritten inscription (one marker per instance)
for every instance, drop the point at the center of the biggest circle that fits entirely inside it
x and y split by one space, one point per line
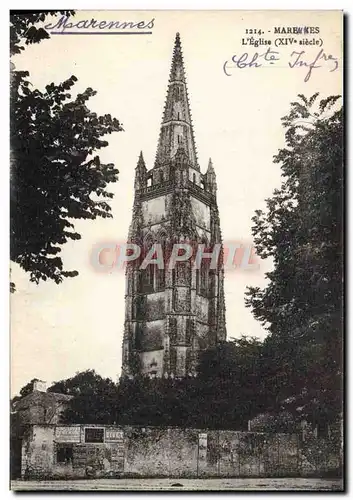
297 59
93 24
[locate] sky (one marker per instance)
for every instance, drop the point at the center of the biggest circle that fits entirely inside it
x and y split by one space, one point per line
57 330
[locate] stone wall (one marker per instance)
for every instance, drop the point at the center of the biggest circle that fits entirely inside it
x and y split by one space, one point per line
68 451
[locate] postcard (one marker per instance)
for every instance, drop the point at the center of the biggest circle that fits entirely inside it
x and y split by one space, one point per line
176 250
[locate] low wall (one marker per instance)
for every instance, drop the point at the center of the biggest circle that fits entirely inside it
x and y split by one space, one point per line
77 451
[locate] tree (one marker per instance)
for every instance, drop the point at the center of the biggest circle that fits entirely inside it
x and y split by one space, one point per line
144 401
224 395
23 27
230 377
94 398
302 231
56 177
227 392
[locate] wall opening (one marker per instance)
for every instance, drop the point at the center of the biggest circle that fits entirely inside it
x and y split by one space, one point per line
64 453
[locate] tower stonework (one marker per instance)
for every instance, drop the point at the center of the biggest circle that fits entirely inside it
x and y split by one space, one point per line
172 314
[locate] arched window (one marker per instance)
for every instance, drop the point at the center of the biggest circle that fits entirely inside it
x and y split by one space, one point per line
202 273
189 331
159 283
147 275
173 330
138 336
161 178
183 272
194 178
204 277
173 362
175 299
148 278
160 280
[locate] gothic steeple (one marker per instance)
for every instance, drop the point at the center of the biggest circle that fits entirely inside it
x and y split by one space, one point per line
140 173
173 313
210 178
176 128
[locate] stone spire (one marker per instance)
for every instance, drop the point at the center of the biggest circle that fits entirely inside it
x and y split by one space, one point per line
171 315
210 168
176 128
210 178
137 219
140 173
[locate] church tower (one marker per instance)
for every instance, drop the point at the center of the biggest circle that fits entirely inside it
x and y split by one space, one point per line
173 313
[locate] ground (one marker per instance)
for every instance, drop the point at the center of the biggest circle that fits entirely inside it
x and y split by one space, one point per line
303 484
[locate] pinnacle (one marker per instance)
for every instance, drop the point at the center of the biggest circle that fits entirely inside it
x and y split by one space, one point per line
177 60
176 99
177 43
141 161
210 166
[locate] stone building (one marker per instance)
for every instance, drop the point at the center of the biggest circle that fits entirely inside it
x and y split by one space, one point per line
172 314
40 406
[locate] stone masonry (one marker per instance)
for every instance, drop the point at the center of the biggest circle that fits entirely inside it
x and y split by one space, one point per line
172 314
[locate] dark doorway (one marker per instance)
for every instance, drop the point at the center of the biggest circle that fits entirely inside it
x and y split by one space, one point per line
15 458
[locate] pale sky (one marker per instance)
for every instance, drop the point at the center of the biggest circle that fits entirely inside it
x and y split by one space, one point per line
58 330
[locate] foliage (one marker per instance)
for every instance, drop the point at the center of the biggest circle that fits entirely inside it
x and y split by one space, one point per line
302 231
54 172
282 421
230 383
23 28
94 398
225 400
56 177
